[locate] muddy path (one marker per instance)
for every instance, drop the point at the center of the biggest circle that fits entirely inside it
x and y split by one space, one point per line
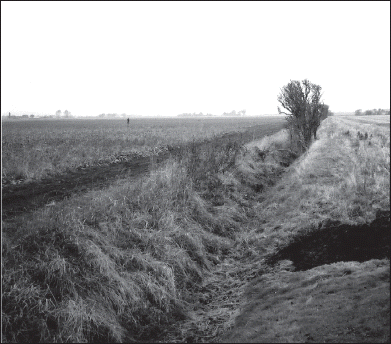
25 197
29 196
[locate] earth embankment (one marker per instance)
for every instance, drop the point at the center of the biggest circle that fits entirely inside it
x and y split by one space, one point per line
323 247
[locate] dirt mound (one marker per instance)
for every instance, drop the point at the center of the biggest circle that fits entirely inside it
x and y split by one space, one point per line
335 242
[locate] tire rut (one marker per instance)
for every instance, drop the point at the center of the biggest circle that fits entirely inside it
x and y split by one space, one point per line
26 197
22 198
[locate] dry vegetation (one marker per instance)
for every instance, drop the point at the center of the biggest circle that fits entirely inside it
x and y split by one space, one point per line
345 177
113 268
345 302
180 247
325 225
35 149
121 263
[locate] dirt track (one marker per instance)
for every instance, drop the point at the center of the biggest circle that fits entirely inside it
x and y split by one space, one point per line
26 197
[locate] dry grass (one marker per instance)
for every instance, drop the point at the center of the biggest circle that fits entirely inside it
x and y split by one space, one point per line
324 304
256 167
119 264
343 180
35 149
124 263
343 177
263 161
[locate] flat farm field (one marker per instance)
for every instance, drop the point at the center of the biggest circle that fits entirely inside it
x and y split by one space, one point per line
35 149
380 120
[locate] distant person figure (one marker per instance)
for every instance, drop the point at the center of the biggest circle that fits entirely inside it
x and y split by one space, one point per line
127 121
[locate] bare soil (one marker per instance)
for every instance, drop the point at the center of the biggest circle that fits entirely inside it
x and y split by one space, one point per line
25 197
336 242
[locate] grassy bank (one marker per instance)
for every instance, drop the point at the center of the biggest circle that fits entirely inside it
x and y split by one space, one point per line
345 177
112 268
322 247
345 302
120 264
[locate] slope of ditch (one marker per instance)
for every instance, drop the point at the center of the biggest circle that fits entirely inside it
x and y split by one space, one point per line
345 302
324 274
330 285
218 301
122 262
315 268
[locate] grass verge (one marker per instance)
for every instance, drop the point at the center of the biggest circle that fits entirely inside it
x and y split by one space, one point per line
344 176
120 264
322 244
345 302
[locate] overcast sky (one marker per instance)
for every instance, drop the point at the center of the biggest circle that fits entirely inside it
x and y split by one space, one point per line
167 58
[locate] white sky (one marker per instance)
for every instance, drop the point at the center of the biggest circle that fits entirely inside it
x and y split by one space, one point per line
167 58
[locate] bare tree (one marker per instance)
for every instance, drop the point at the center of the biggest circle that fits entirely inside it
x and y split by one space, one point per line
305 110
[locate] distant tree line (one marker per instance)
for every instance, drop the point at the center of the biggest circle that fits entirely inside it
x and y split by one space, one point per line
186 114
372 112
20 117
234 113
24 116
67 114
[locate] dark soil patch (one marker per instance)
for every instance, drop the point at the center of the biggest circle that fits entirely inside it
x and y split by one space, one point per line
336 242
25 197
